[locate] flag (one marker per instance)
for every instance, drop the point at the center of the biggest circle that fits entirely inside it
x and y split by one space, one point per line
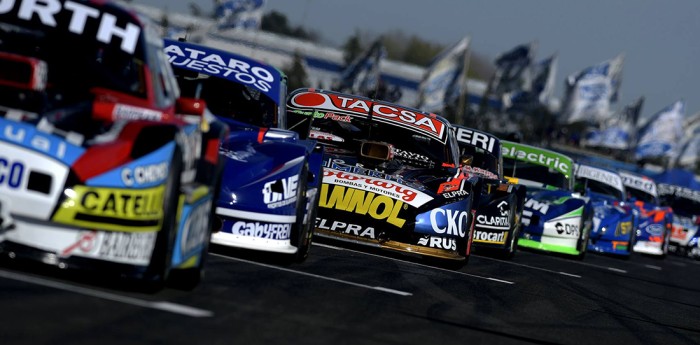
541 89
545 73
619 132
660 136
590 92
362 76
443 80
240 14
514 70
690 147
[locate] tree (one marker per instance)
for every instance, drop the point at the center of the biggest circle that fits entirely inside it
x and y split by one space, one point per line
296 73
352 48
277 22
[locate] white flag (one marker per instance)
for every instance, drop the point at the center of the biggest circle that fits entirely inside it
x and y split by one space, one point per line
444 77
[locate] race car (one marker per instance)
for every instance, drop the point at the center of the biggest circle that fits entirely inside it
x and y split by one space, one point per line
270 180
498 204
614 221
555 218
653 229
103 166
685 202
391 176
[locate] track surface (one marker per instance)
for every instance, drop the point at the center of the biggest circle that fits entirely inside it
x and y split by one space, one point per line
346 296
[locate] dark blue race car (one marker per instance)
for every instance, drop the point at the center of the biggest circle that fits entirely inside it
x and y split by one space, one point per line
267 198
614 220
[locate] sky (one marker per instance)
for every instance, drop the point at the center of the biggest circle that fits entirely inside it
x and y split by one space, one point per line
660 39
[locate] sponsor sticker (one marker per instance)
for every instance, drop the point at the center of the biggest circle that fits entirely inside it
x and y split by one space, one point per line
553 160
409 118
380 207
270 231
438 242
478 139
118 209
392 189
75 17
494 237
115 246
280 192
346 228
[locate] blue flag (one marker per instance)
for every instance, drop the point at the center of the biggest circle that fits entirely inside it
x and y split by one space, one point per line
241 14
619 132
661 135
591 91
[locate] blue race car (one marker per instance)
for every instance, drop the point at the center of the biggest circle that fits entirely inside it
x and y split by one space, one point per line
555 219
685 202
614 220
102 169
268 193
653 229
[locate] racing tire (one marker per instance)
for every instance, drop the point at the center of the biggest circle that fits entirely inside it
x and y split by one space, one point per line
509 251
159 270
586 224
302 233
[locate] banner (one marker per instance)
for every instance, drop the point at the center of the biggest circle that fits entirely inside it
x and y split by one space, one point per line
661 135
590 92
443 80
239 14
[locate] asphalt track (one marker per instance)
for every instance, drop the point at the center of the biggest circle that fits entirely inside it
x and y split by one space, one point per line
350 296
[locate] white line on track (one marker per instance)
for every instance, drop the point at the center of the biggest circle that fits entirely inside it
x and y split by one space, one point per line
531 267
378 288
415 264
653 267
159 305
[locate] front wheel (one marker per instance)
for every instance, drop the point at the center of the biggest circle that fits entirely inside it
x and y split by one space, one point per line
303 231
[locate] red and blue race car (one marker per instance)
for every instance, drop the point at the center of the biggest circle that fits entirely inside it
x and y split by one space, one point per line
654 222
391 176
103 166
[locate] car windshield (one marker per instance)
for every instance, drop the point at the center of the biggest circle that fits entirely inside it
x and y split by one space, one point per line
344 135
228 99
481 158
599 188
73 67
535 173
640 195
680 205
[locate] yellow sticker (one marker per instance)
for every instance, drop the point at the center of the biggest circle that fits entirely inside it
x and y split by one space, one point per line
117 209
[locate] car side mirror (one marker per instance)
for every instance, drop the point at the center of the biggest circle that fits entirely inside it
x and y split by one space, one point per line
190 106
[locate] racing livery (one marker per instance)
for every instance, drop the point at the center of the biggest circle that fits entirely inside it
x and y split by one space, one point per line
613 230
653 229
555 219
270 180
685 202
499 204
102 165
390 176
